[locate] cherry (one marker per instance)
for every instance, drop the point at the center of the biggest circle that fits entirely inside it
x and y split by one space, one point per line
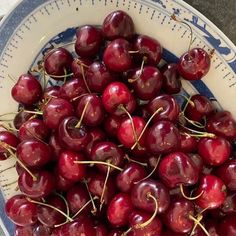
194 64
178 168
34 153
162 137
118 24
57 63
115 232
132 173
129 130
41 230
177 216
80 66
212 227
114 96
24 231
200 107
21 211
33 128
100 230
72 137
171 79
68 168
188 143
229 205
41 187
117 57
72 89
222 124
55 111
139 218
21 117
88 42
213 192
111 124
198 161
77 197
227 226
227 173
48 216
141 200
215 151
119 209
170 108
27 90
94 112
146 82
52 91
55 144
149 50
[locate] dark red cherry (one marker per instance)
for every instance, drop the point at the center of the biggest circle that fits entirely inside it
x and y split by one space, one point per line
111 124
215 151
115 232
62 184
188 143
227 172
72 88
169 232
227 226
71 137
115 95
34 153
119 209
136 218
126 134
27 90
178 168
55 111
132 173
147 82
57 62
98 77
198 161
24 231
42 230
170 108
51 92
149 50
214 192
77 197
200 107
101 230
21 117
222 124
177 216
171 79
163 137
55 145
41 187
140 196
21 211
48 216
33 128
68 168
107 152
80 66
229 205
194 64
94 112
88 42
117 57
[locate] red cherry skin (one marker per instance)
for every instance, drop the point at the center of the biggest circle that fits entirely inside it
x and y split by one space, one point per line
188 143
117 57
27 90
55 145
119 209
215 151
229 205
222 124
68 168
20 118
214 192
101 230
79 67
52 91
20 211
24 231
62 184
41 187
228 226
88 42
57 61
115 232
195 64
42 230
111 124
162 137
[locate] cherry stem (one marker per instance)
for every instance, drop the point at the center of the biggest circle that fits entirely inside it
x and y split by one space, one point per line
198 133
199 218
138 226
189 198
79 62
100 163
197 222
145 127
59 76
52 207
9 113
121 106
8 127
91 198
84 79
34 112
154 169
133 52
12 79
104 188
195 123
80 96
7 169
132 160
140 72
66 203
173 17
82 115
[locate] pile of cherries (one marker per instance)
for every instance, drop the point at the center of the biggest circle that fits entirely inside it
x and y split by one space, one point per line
110 152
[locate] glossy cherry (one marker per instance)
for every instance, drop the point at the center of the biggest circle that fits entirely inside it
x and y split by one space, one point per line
55 144
42 230
194 64
111 124
51 92
101 230
80 66
22 231
88 42
188 143
115 232
227 226
21 117
27 90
